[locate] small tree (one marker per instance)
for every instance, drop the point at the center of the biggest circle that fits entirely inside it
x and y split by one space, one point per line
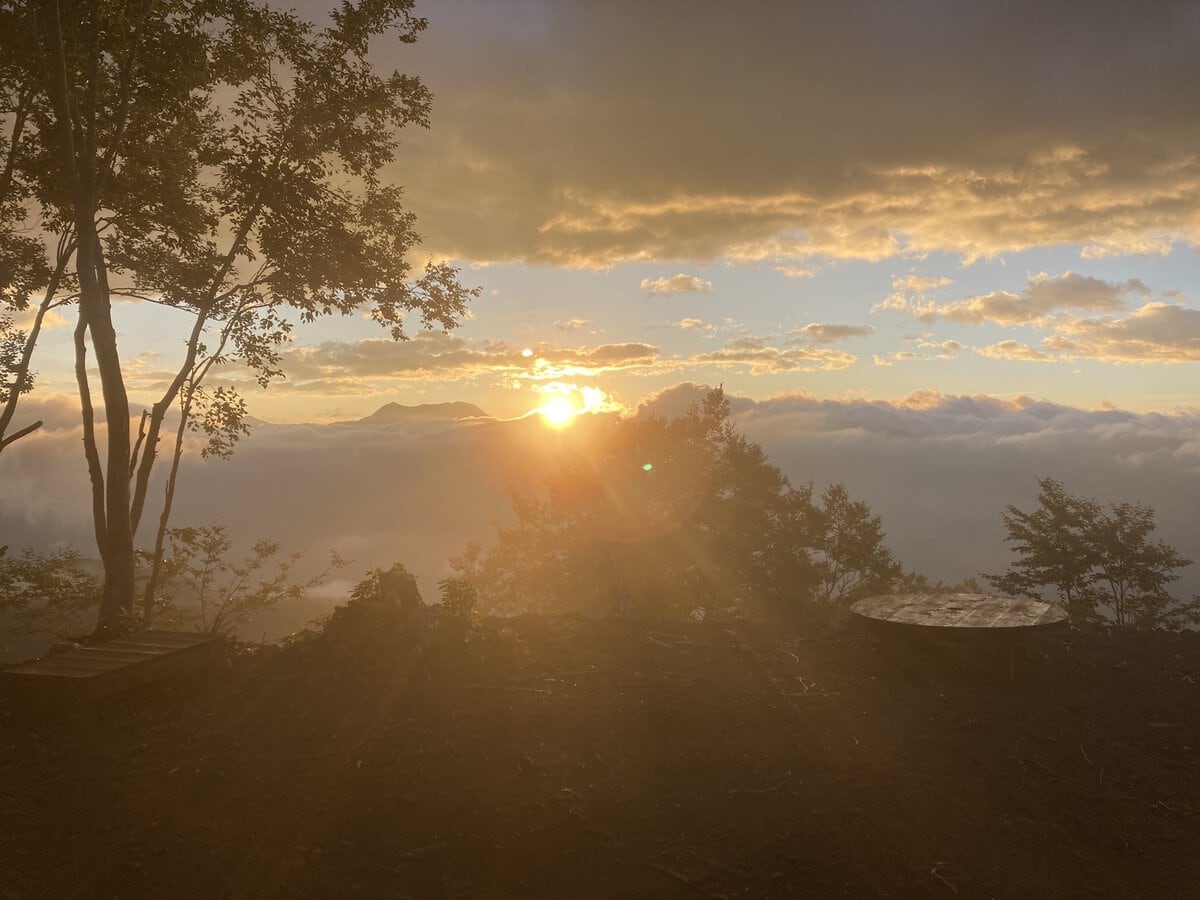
850 554
1101 562
46 593
459 596
220 595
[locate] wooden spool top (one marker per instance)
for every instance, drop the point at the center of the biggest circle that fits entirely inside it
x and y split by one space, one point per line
967 612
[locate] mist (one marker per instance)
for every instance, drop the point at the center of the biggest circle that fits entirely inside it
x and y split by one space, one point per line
940 470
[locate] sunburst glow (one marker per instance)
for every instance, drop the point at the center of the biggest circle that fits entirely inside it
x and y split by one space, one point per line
559 411
563 402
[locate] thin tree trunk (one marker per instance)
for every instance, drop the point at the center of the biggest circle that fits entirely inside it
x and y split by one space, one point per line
158 412
187 368
160 535
90 451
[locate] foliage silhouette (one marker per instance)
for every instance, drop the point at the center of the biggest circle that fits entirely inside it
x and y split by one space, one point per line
1101 562
223 158
459 597
46 593
200 584
665 517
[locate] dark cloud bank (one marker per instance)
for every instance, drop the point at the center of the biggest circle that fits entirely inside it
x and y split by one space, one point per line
939 469
584 133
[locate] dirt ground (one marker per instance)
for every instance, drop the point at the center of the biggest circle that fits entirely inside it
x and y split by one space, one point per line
561 757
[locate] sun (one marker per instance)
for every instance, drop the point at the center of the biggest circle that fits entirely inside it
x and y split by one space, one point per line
558 412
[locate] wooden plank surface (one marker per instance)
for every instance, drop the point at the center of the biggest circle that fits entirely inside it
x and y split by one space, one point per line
115 664
968 612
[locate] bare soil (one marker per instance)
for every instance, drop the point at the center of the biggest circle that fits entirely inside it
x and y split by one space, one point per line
561 757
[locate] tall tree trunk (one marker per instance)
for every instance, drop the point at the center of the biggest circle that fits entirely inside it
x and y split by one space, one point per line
75 113
116 605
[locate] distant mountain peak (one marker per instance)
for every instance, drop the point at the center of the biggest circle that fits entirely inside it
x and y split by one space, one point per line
392 413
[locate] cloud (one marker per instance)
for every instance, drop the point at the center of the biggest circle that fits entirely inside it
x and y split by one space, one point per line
446 357
676 284
1154 333
53 410
571 326
919 283
376 366
933 350
1042 295
548 147
764 360
827 334
791 271
1014 350
939 469
23 319
947 349
910 293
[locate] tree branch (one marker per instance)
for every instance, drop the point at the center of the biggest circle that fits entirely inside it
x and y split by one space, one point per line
17 435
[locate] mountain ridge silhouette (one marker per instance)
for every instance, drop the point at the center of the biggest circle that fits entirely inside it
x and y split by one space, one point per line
392 413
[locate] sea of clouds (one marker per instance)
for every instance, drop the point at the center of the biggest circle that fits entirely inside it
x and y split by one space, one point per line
940 470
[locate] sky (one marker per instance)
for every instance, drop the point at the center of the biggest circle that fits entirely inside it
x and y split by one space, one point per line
933 249
855 200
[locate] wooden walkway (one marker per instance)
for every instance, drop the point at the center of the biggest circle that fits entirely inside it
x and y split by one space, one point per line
112 665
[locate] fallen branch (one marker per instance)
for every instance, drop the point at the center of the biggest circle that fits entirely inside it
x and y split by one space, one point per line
419 851
507 687
1092 764
683 879
942 878
1178 806
770 790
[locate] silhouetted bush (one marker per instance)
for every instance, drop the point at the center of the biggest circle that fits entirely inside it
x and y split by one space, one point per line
670 517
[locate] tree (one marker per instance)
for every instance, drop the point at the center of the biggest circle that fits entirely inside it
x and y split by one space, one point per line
851 558
199 581
670 516
919 583
459 597
222 158
1101 562
45 593
23 266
